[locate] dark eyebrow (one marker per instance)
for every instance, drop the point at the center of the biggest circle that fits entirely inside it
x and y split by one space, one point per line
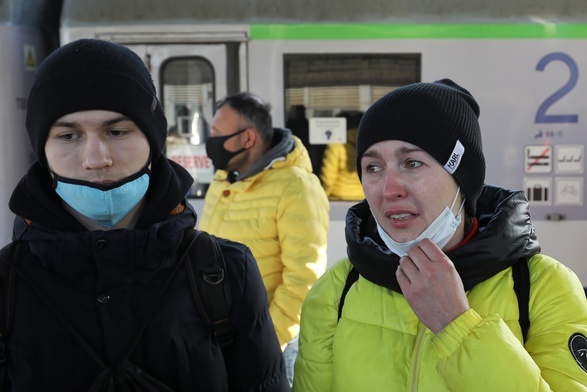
370 154
407 150
73 124
116 120
402 150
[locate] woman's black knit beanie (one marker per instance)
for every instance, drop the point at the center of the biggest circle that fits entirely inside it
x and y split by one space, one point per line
91 74
442 118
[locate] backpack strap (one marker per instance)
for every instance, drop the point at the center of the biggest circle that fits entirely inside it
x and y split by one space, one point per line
7 273
185 248
351 278
521 276
209 283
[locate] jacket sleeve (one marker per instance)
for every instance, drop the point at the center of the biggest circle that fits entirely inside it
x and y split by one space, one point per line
255 361
302 229
314 371
484 354
330 169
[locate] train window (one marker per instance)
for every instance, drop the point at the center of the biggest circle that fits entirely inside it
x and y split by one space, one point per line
188 101
340 85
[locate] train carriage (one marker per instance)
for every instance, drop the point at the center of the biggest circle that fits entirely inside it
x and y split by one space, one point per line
522 60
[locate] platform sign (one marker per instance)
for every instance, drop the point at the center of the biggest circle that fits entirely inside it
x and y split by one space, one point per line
327 130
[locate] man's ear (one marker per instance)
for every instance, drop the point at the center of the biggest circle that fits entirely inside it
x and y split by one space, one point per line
252 137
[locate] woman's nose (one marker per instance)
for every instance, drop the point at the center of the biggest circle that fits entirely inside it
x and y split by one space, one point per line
394 187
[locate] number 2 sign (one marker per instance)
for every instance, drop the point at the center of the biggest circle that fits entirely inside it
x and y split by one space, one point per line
541 116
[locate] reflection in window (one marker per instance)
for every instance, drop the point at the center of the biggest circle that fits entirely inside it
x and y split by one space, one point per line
188 101
340 85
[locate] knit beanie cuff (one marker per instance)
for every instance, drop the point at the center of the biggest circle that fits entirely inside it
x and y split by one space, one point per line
94 75
441 118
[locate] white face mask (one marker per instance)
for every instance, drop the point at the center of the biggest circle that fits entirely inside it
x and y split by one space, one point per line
440 231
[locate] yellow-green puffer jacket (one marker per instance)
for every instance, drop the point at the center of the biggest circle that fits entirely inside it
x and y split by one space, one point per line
380 345
282 215
339 170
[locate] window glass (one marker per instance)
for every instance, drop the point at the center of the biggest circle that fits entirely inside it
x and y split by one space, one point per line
188 101
339 85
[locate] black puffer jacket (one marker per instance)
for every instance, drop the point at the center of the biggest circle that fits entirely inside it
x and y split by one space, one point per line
75 267
505 235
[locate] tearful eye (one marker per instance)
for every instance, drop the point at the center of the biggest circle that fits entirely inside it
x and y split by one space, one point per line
413 164
372 168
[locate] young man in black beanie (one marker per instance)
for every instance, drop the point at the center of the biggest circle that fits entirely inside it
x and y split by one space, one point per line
444 287
102 294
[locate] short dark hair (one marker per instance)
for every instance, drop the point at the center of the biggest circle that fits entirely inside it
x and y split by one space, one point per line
253 110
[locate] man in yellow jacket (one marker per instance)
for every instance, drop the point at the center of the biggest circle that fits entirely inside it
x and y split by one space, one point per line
339 164
435 307
264 195
339 171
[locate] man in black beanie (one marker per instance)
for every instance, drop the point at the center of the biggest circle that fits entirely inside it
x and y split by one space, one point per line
444 288
102 293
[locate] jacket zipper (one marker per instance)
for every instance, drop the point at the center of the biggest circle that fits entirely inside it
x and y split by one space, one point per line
417 353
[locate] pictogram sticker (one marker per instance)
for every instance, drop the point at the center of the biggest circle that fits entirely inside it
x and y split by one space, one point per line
569 159
569 191
538 159
538 190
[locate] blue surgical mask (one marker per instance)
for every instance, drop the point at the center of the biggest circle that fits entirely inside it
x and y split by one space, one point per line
440 231
106 205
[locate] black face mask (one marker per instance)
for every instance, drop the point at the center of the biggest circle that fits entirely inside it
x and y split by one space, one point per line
219 155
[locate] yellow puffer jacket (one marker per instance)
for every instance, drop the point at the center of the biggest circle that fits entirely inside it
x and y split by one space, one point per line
282 215
380 345
339 181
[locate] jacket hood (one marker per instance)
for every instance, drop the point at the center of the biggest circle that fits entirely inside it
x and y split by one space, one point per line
35 200
283 143
505 235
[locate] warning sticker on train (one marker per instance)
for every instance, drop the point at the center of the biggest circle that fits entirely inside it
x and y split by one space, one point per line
30 58
538 190
569 158
538 159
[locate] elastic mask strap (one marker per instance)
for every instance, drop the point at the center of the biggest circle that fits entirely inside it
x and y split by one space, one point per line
455 199
461 207
57 178
236 133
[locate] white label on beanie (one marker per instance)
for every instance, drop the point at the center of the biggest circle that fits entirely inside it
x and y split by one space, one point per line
455 158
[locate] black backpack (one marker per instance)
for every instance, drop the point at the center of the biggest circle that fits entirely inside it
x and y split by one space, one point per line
209 286
521 275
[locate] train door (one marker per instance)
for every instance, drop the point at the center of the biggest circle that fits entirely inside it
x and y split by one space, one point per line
190 78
